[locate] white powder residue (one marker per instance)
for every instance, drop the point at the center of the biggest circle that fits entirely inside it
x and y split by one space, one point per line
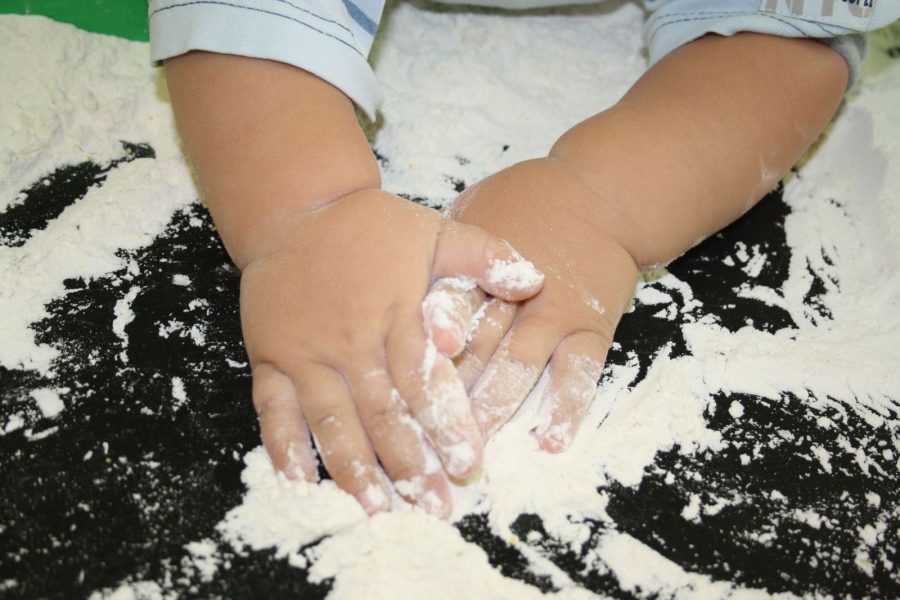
123 316
48 401
435 563
167 329
755 262
204 558
283 514
71 101
650 295
429 359
641 569
139 590
179 394
13 423
455 86
691 512
446 302
181 279
514 274
198 335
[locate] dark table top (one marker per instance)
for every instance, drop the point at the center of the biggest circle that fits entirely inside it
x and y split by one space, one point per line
128 478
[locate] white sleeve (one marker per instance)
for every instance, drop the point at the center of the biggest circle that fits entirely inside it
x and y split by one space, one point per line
330 38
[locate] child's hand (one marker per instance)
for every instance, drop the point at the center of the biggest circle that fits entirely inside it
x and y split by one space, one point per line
691 146
590 278
331 306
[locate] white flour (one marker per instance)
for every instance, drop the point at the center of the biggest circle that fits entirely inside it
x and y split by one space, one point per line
495 89
69 98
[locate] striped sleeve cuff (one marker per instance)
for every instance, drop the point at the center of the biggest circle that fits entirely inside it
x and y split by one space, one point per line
319 36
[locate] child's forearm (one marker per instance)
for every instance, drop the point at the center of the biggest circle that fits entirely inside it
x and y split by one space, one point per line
700 138
268 141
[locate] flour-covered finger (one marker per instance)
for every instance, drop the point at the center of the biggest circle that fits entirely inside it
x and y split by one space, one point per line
436 397
511 373
339 435
282 426
399 442
471 252
449 312
575 369
489 326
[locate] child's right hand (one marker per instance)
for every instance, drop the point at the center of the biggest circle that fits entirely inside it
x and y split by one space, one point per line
331 307
334 272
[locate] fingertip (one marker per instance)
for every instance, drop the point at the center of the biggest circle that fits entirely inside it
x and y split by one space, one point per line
448 311
463 459
574 371
471 478
512 277
449 340
373 499
439 502
552 442
283 429
431 493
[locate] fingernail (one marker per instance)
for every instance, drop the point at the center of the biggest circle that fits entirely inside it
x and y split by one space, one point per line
427 498
460 460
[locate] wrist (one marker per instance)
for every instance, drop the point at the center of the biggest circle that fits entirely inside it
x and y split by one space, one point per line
267 142
555 196
289 227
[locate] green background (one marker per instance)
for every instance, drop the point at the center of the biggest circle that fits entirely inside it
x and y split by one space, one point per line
124 18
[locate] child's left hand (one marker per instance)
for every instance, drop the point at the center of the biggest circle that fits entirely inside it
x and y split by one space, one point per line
557 224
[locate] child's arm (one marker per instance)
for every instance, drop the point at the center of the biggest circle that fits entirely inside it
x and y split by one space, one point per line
695 143
334 271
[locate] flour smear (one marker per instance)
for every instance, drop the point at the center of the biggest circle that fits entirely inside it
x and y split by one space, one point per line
493 89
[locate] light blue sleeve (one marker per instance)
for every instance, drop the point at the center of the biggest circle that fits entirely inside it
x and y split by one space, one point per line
330 38
838 23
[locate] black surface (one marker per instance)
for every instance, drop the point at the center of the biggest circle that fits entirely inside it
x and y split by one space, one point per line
130 476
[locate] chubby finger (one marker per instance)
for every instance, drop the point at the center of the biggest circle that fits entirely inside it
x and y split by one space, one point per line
449 311
428 383
511 373
282 427
575 369
488 327
471 252
399 441
339 435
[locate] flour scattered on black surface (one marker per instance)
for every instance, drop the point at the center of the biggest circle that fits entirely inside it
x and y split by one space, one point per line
745 439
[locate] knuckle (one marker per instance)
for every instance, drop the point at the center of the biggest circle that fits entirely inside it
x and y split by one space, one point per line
383 422
268 387
326 421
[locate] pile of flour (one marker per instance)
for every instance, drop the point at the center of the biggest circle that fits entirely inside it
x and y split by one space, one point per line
467 94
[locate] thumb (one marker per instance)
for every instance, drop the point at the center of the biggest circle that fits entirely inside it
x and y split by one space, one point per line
469 251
